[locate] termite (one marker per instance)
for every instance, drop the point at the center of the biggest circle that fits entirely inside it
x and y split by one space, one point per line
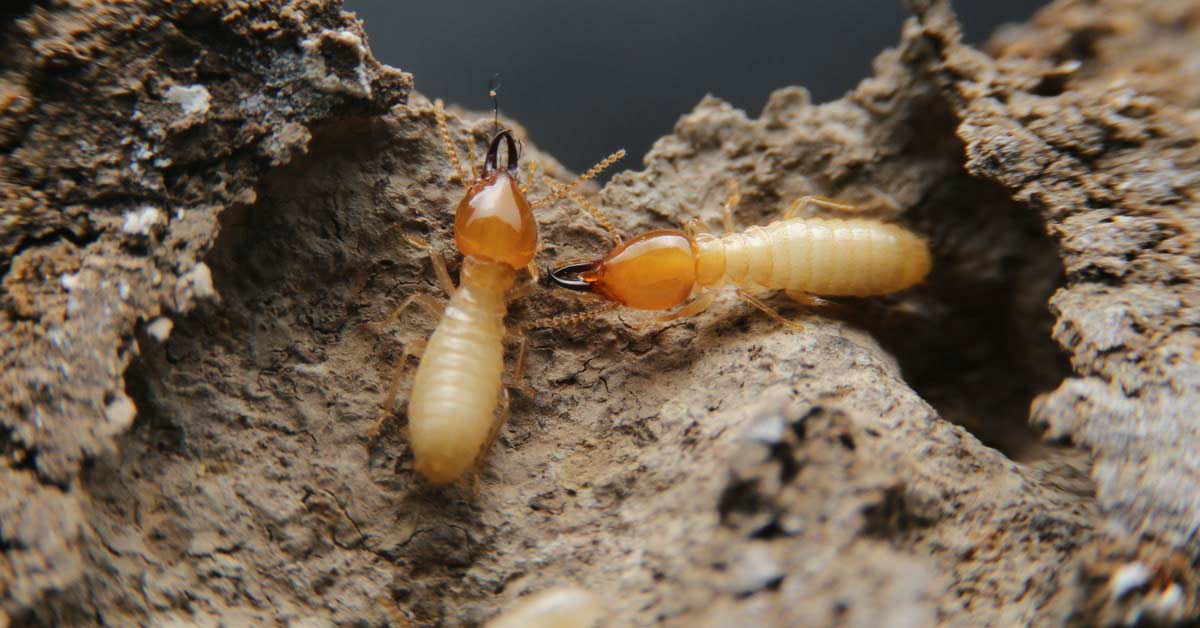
560 607
452 409
805 257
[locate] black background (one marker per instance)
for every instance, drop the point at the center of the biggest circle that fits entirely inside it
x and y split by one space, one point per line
586 77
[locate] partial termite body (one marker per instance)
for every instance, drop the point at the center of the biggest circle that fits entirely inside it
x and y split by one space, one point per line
804 257
560 607
452 408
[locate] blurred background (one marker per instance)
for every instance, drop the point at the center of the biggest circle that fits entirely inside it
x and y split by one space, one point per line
588 77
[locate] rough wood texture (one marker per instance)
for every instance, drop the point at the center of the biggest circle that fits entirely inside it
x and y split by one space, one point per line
125 130
878 466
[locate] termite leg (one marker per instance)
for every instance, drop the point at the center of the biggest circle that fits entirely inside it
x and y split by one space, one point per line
497 425
697 305
414 348
505 403
881 201
439 263
696 226
493 434
431 305
519 370
443 275
525 286
392 228
768 310
805 299
447 144
820 201
731 201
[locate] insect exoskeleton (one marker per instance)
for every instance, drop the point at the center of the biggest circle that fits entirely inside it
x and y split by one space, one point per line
802 256
458 382
452 408
560 607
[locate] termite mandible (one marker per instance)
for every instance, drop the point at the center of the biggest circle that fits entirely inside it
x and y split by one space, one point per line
452 409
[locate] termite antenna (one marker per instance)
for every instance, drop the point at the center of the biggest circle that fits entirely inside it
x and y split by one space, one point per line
494 93
597 215
583 178
563 320
448 145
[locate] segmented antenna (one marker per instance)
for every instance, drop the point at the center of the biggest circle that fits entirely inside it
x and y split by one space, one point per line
597 215
449 145
583 178
562 320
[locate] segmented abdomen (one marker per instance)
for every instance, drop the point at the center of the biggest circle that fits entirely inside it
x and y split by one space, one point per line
830 257
452 406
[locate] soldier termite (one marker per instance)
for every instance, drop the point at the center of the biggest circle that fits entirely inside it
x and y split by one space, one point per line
452 409
804 257
560 607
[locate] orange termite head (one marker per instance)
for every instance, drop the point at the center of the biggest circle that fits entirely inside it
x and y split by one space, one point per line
654 271
494 221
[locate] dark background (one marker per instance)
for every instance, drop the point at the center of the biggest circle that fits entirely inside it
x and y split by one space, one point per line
586 77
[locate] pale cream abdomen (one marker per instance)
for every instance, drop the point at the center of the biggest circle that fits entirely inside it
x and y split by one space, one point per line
560 607
825 256
457 386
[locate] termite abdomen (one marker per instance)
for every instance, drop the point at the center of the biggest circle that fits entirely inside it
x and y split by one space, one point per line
826 257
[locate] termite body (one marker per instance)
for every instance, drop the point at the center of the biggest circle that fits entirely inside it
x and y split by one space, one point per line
804 257
452 408
457 387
